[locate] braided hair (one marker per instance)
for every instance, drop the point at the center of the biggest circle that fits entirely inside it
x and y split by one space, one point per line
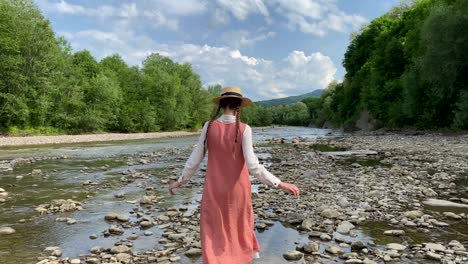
228 102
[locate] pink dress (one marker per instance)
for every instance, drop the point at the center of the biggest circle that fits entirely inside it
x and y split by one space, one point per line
227 217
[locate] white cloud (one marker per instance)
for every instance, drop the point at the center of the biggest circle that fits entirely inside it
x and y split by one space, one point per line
242 8
156 14
317 17
180 7
260 78
241 38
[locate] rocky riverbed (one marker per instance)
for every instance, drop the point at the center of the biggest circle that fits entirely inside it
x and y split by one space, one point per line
364 199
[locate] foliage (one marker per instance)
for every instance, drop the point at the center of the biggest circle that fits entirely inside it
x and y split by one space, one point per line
407 68
45 87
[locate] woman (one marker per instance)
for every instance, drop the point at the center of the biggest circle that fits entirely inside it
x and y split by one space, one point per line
226 216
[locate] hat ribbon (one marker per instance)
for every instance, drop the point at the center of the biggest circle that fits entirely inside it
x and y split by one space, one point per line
231 93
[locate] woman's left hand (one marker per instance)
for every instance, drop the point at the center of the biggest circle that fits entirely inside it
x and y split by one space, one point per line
173 186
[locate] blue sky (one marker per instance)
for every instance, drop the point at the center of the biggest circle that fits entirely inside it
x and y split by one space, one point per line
270 48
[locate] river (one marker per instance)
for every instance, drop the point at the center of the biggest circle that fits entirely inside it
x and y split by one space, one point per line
383 186
103 163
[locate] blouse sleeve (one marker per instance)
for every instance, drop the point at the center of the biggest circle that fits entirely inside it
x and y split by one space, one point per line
195 158
255 168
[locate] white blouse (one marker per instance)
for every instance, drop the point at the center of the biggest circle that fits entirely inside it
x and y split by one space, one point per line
255 168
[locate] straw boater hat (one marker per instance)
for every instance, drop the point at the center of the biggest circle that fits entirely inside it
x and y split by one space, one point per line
233 91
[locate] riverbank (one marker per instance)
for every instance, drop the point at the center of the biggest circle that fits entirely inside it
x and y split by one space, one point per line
42 140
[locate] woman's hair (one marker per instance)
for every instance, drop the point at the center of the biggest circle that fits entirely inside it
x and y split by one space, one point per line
228 102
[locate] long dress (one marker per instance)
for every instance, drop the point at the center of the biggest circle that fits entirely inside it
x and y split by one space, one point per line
226 217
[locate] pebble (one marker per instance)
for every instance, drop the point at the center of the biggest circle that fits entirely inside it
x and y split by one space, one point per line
193 252
6 230
396 246
293 255
394 232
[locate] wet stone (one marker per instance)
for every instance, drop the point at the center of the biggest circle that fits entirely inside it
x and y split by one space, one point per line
293 255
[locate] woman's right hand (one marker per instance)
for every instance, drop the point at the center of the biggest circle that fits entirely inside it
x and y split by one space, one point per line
174 185
290 188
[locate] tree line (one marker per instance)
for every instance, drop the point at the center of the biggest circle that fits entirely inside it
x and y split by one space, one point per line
407 68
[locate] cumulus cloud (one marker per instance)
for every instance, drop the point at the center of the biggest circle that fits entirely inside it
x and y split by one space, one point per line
156 13
242 8
241 38
317 17
261 79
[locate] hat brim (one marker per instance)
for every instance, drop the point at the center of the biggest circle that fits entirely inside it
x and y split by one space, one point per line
245 101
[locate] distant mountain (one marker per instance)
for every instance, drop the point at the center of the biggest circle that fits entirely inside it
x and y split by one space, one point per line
290 99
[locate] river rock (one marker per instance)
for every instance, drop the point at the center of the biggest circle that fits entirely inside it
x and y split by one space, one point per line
293 255
413 214
334 250
116 230
56 253
358 245
96 250
164 218
396 246
444 203
329 213
434 247
147 199
433 256
6 230
111 216
428 192
124 258
311 246
193 252
146 224
75 261
325 237
343 202
452 215
120 249
344 227
176 236
123 218
307 224
394 232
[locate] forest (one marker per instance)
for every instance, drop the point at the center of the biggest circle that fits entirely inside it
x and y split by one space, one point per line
407 68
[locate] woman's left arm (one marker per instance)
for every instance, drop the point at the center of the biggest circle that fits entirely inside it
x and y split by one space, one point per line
195 158
253 165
